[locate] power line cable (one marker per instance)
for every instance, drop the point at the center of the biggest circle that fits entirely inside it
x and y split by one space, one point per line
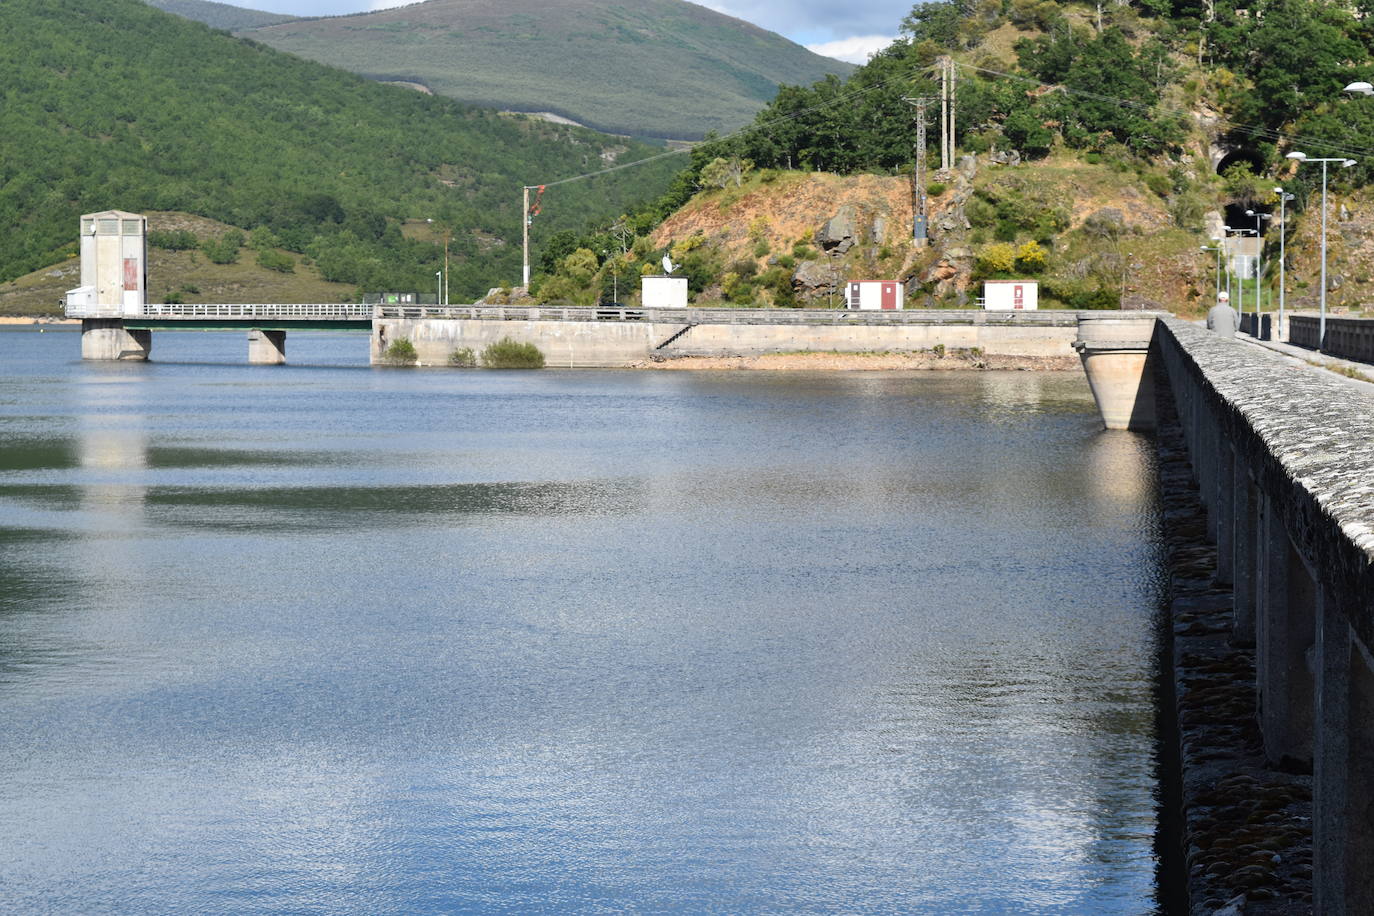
750 128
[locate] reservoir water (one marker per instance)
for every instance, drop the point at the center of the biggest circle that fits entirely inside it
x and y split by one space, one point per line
331 639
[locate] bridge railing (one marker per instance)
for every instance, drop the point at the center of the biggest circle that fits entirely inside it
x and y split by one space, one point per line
1048 318
301 311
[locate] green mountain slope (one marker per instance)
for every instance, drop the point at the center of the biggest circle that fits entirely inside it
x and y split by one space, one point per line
112 103
660 68
219 15
1098 147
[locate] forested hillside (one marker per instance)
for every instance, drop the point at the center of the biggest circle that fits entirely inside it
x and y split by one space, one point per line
219 15
656 68
1098 146
112 103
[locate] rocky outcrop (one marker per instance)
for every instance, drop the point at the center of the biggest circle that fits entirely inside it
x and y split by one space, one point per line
814 278
839 234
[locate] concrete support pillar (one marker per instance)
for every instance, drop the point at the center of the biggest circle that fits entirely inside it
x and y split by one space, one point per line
108 339
266 348
1286 633
1244 541
1224 511
1116 358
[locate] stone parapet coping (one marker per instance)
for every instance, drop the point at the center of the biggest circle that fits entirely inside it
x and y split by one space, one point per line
1309 442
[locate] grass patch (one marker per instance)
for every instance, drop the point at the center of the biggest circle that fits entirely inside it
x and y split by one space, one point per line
512 354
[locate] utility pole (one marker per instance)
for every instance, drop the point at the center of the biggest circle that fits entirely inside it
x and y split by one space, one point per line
527 215
944 114
525 225
919 219
448 234
948 112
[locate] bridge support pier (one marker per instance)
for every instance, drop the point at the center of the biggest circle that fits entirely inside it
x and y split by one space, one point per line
108 339
266 348
1116 358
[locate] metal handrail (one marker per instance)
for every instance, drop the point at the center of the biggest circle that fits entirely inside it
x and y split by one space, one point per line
301 311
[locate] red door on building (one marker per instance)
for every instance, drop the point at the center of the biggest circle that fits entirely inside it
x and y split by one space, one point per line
889 295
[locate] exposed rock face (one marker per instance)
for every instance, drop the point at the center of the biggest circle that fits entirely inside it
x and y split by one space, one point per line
1214 223
950 272
968 165
1010 157
839 233
814 278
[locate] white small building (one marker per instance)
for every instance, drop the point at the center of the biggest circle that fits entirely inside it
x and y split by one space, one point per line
1011 295
876 295
114 265
663 292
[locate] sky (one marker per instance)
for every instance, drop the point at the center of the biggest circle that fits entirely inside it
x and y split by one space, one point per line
849 30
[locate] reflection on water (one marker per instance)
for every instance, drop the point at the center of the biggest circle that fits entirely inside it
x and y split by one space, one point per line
335 639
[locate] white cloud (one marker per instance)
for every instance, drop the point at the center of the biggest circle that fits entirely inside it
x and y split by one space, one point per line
856 50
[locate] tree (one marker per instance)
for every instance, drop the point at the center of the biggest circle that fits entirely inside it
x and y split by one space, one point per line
722 172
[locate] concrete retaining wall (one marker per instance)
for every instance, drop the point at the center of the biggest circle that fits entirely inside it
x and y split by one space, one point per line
591 344
752 340
1348 338
1284 465
565 344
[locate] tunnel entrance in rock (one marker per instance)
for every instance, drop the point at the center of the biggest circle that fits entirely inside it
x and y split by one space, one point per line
1250 158
1236 218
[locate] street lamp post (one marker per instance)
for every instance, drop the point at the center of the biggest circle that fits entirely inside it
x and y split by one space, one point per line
1284 198
443 285
1259 260
1225 240
1240 277
439 287
1301 158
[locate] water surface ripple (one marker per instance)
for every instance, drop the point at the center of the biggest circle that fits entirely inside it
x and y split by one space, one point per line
328 639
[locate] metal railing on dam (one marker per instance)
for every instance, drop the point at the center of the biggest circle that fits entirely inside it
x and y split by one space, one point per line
1349 338
317 311
1283 456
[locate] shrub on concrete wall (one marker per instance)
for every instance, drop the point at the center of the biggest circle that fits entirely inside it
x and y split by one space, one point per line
462 358
401 353
512 354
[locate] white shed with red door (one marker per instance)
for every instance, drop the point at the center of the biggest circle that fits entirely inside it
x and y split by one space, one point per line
875 295
1011 295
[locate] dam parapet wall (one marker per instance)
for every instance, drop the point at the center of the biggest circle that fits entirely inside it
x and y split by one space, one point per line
1283 457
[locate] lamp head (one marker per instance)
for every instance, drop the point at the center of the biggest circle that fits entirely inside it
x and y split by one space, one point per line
1360 88
1296 155
1249 212
1347 163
